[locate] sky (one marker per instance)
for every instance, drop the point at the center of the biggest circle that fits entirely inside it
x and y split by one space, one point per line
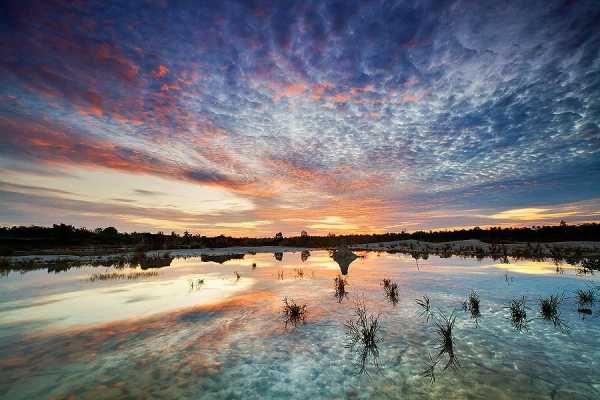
252 117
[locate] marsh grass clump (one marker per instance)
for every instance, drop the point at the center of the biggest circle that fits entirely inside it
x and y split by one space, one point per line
589 265
299 273
443 328
293 313
122 276
280 275
362 336
585 300
584 311
253 265
390 290
550 310
471 304
340 284
195 284
518 314
425 305
585 297
429 372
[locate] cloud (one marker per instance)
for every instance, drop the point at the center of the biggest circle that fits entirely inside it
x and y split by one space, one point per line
531 214
148 192
338 107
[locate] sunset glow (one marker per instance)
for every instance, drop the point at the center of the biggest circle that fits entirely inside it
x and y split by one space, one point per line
250 117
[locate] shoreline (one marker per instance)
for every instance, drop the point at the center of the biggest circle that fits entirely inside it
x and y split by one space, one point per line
475 247
472 247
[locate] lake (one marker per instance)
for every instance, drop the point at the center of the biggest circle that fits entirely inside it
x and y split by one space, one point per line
194 329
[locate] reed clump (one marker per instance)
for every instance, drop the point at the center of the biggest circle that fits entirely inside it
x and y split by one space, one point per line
195 284
293 313
362 336
518 314
425 304
471 304
340 284
550 310
390 290
585 300
585 297
444 330
121 276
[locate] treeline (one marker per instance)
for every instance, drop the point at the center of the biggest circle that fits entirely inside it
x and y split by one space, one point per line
61 236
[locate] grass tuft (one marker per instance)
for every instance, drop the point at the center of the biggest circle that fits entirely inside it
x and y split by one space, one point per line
443 327
293 313
585 300
363 337
120 275
550 310
390 290
425 305
340 284
471 304
518 314
585 297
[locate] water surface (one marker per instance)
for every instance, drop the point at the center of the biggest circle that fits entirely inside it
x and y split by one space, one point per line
63 335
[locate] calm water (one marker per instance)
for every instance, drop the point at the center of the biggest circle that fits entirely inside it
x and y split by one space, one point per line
62 335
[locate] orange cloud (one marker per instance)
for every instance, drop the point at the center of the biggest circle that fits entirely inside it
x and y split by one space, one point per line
414 97
319 88
291 90
339 97
160 72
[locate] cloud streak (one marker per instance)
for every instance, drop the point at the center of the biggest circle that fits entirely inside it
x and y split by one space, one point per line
314 110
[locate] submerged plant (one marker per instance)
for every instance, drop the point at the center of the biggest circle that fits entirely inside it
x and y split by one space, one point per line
390 290
237 275
471 304
340 288
425 304
280 275
518 314
550 310
363 337
293 313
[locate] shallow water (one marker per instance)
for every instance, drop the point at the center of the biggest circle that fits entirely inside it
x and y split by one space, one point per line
63 335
